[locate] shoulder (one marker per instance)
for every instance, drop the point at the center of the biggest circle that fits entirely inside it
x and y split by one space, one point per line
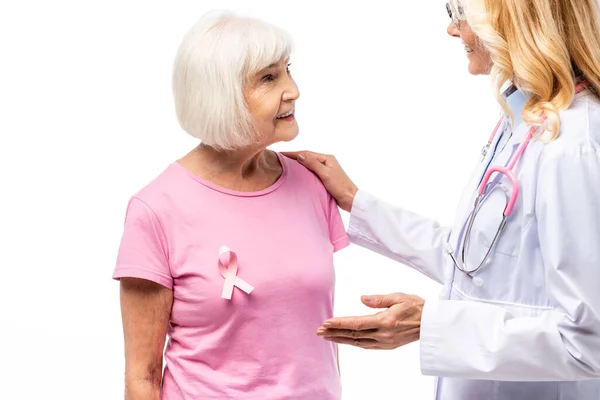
308 185
579 130
571 162
579 137
303 178
160 192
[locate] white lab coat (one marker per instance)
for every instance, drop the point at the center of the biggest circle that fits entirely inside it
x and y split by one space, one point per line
531 328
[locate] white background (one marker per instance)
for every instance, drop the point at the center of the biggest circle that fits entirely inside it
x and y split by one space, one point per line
87 119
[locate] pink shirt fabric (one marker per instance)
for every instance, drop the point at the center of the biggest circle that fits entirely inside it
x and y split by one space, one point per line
260 345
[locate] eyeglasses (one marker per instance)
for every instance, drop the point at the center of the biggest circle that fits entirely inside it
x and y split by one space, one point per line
455 12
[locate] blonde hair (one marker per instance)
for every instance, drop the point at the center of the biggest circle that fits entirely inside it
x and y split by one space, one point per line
543 47
213 63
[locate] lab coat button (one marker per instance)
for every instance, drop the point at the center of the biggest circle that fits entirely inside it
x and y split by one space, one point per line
477 281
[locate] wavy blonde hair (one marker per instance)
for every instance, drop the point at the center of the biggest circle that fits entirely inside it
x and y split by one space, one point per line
543 47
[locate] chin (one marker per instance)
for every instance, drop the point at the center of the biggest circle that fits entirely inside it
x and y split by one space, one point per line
287 136
280 135
474 71
476 68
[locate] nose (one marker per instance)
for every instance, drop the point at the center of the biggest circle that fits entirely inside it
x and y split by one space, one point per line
453 30
291 92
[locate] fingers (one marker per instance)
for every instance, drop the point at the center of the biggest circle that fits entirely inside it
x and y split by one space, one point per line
381 301
292 154
353 323
303 155
316 166
347 333
375 340
362 343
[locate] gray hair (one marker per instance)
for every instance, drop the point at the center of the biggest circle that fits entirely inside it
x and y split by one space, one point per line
217 56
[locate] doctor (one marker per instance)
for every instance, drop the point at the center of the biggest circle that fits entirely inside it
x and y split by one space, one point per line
519 315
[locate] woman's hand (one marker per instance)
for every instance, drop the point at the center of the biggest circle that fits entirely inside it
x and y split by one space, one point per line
335 180
400 324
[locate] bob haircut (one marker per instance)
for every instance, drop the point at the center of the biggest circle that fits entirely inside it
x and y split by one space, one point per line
213 63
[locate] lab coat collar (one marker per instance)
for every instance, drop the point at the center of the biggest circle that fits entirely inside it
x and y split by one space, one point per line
515 99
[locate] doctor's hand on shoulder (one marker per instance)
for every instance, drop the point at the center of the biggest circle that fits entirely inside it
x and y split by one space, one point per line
335 180
398 325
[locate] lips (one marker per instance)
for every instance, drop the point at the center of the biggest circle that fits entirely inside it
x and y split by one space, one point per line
285 115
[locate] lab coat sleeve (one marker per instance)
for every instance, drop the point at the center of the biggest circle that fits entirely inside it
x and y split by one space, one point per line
476 340
398 234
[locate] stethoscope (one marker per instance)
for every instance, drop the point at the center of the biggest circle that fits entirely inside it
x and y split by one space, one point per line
483 190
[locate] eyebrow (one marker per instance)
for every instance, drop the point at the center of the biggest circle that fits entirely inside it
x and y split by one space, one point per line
275 64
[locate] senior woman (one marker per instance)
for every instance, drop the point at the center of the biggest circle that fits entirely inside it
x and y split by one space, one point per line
208 256
519 317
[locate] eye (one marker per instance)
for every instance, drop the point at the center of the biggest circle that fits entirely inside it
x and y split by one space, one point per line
268 78
288 68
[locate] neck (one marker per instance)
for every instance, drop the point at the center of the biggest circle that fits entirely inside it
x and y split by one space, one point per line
246 169
241 163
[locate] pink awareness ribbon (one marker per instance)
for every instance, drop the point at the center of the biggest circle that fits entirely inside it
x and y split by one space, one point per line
228 269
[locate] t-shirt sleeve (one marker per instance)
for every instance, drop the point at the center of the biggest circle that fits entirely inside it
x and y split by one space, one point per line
143 249
337 231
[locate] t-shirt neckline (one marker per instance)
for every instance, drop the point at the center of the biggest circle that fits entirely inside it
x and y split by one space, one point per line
237 193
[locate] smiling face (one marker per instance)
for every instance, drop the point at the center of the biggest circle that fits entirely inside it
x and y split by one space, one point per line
271 96
480 62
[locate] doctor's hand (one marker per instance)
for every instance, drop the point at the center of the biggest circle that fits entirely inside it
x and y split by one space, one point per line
335 180
400 324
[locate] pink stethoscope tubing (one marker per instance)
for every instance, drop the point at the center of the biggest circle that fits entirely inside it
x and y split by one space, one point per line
508 172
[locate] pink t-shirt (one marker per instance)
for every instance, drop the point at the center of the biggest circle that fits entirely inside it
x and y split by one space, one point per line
260 345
